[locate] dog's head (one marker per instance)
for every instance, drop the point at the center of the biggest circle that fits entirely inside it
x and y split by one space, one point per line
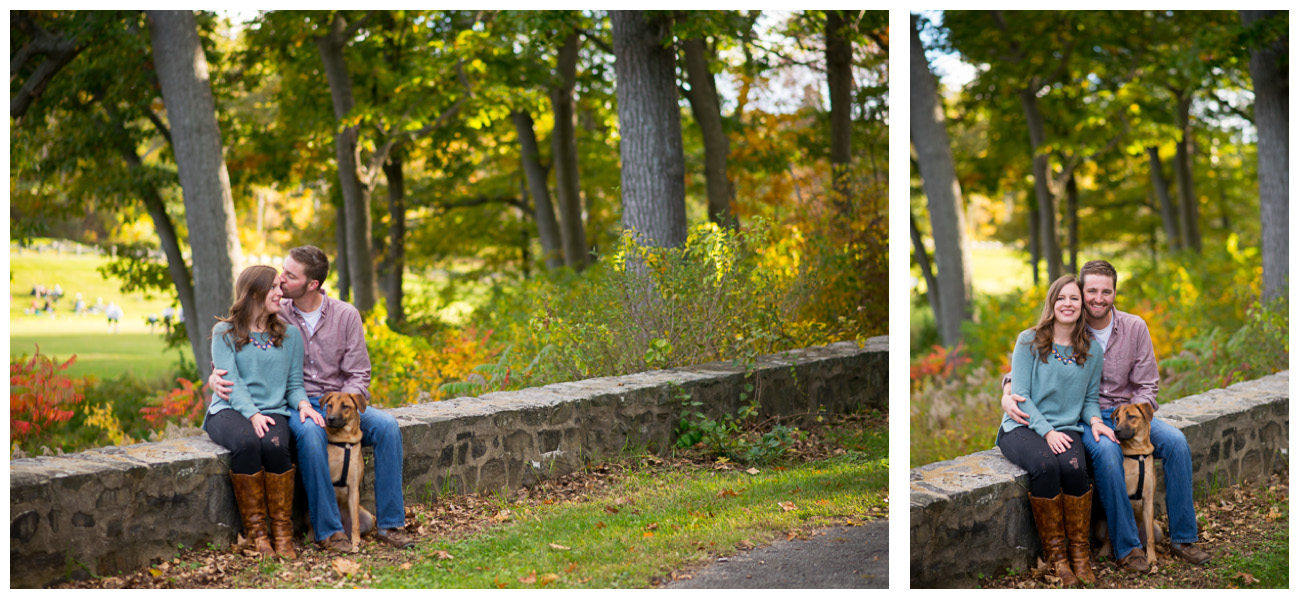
1132 419
341 409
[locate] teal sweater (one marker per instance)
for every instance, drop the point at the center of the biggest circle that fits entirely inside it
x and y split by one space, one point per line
266 380
1058 396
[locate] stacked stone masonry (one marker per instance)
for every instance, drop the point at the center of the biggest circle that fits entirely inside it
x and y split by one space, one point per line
117 509
970 516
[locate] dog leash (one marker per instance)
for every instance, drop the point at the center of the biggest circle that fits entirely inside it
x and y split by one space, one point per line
347 458
1140 458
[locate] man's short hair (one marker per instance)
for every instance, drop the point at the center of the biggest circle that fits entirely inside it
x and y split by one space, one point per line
1099 267
314 263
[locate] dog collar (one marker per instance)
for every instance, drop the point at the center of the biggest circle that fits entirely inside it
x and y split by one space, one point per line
1142 474
347 458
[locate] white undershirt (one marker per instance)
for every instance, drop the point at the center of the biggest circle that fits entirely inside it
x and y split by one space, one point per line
312 318
1102 335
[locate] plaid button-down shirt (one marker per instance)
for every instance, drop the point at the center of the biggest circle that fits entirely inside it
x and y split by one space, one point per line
335 357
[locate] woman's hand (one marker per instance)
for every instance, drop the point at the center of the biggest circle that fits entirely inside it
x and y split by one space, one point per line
261 424
1099 430
305 411
1057 441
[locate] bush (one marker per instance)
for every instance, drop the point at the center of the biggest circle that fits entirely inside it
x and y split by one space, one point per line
407 369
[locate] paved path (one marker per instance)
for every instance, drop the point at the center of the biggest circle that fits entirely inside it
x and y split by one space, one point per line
844 557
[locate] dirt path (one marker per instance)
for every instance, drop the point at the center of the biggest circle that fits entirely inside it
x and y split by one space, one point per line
835 557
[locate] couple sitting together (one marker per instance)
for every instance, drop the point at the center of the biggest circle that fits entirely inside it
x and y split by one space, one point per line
283 345
1069 373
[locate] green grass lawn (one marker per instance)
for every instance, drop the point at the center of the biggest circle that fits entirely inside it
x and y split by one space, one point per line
98 351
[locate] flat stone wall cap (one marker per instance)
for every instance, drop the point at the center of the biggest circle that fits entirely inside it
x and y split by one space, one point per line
956 477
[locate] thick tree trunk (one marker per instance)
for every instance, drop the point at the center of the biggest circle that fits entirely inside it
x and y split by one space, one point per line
839 79
923 261
654 170
1072 216
564 148
396 235
167 238
1035 248
1268 73
356 191
340 265
205 184
548 229
1049 241
1189 217
703 96
943 196
1161 188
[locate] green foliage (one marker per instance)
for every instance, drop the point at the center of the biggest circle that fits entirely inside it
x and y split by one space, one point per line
1222 357
741 437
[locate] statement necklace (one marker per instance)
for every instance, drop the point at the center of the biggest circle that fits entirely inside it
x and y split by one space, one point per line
1067 361
270 343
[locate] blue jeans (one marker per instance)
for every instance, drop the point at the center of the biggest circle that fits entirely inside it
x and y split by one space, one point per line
1108 468
378 431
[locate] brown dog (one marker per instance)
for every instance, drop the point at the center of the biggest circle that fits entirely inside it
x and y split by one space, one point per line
343 430
1133 430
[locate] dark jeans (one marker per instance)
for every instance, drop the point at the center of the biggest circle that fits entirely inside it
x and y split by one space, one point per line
249 453
1049 473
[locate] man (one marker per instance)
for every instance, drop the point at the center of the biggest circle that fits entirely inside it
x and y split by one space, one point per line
1129 375
335 360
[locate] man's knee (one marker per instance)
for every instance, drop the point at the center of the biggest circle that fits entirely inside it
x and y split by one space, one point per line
379 425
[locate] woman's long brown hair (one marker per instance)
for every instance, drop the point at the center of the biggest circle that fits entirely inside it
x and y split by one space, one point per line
1047 320
251 288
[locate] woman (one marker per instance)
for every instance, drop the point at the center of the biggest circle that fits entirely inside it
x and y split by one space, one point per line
265 358
1057 367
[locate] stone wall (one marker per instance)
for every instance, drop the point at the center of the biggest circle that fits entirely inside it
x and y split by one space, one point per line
119 508
970 516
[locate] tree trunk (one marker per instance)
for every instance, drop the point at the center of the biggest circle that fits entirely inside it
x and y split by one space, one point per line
341 240
1190 210
547 227
839 79
654 170
923 261
205 184
703 97
1072 216
1049 242
396 235
1268 74
564 148
356 192
943 196
1035 248
1161 187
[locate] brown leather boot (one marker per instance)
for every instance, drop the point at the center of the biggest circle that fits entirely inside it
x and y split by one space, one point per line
1078 516
1050 520
250 495
279 506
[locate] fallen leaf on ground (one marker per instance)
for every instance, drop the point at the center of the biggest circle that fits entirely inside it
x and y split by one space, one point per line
727 493
530 578
443 555
547 579
1246 578
571 567
344 566
787 506
559 547
752 471
406 566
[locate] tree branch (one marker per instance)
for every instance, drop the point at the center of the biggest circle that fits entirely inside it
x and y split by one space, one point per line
597 40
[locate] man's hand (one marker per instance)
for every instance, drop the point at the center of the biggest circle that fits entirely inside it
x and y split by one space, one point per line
221 386
261 424
1011 406
1100 429
1057 441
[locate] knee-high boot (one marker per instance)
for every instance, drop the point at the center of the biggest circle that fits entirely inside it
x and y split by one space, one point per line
279 505
250 495
1050 520
1078 516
